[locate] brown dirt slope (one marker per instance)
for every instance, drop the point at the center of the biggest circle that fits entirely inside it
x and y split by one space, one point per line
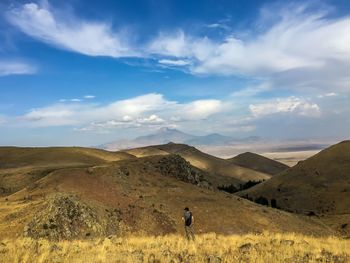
20 167
213 165
14 157
258 163
319 185
143 196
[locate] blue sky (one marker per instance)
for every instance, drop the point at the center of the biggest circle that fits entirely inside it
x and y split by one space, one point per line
87 72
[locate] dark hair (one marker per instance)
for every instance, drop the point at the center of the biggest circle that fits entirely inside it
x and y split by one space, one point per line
187 209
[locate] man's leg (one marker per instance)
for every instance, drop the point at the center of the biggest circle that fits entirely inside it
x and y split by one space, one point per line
187 230
192 232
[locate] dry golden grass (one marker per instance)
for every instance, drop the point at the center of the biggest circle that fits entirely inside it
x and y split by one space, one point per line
262 248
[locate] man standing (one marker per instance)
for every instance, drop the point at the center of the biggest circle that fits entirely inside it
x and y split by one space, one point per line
188 220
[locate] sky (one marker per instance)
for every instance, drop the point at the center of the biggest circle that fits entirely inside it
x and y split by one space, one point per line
89 72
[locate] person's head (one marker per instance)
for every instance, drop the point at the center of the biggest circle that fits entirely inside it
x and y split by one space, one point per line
187 209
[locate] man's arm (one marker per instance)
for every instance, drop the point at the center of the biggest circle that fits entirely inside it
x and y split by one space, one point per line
192 219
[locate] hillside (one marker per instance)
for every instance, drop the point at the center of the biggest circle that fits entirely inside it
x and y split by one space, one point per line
319 185
142 196
15 157
258 163
20 167
211 164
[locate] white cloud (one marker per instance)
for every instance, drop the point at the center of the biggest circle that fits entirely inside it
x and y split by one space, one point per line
176 45
330 94
85 37
297 41
287 105
75 100
15 68
180 45
126 122
146 110
178 62
298 50
251 91
201 109
152 119
89 97
218 25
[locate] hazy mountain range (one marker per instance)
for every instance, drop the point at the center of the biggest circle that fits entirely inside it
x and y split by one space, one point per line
220 145
166 135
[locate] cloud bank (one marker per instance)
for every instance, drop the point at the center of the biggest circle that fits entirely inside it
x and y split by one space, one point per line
145 110
299 49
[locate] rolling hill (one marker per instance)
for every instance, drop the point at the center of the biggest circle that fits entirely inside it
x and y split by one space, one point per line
258 163
142 196
319 185
23 166
211 164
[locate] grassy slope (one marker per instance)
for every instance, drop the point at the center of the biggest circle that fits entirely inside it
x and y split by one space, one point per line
203 161
21 167
15 157
258 163
146 197
150 203
320 184
268 247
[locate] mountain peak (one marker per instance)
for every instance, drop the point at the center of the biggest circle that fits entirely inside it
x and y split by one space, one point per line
167 129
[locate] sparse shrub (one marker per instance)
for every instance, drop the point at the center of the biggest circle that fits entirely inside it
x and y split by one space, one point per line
262 200
233 188
228 188
274 203
249 184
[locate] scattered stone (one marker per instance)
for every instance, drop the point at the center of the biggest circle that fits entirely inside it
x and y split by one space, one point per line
64 217
287 242
55 248
245 247
213 259
152 259
138 255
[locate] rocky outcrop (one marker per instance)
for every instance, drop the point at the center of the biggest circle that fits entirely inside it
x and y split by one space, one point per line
174 165
66 217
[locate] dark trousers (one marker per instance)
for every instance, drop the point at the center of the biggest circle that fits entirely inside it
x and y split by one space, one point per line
189 231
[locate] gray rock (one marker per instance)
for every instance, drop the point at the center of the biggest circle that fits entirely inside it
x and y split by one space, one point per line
213 259
287 242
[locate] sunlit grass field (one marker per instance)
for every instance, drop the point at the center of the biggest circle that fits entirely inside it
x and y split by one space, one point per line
262 248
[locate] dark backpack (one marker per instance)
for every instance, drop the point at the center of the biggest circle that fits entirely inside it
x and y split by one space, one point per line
188 218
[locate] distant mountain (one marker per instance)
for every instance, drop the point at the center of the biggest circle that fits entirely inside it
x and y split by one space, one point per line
166 135
258 163
210 139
